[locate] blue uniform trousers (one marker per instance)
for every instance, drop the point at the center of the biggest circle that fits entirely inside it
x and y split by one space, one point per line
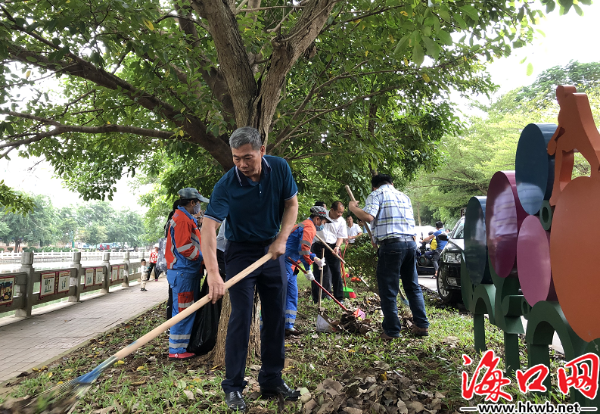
291 302
186 291
270 281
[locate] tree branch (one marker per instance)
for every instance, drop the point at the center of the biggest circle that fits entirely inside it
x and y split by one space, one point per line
284 57
85 70
337 108
233 58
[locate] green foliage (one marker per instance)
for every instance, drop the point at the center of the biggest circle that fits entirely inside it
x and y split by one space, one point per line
367 89
92 223
362 257
14 202
36 227
584 76
490 143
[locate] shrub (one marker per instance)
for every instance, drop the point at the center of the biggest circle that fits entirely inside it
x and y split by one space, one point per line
10 249
1 249
362 257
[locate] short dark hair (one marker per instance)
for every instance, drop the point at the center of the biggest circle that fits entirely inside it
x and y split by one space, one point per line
336 204
143 260
439 224
381 179
320 203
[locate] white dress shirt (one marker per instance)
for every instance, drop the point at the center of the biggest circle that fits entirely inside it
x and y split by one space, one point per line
353 231
333 231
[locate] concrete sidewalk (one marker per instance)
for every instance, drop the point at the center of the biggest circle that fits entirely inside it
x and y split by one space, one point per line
53 330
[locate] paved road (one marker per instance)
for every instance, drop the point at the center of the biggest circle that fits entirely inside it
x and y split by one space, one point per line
53 330
428 282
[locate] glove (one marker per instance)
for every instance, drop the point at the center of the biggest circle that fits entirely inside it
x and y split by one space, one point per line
309 276
320 262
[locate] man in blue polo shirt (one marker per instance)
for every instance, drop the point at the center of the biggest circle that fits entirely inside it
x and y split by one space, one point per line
258 199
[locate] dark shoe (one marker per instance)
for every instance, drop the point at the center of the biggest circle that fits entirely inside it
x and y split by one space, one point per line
144 289
386 337
415 330
286 392
235 401
292 332
185 355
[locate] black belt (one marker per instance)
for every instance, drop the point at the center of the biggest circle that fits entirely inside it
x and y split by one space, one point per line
332 245
395 240
260 243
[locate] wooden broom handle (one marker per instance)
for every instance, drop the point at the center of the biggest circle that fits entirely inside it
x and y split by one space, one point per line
330 249
131 348
366 224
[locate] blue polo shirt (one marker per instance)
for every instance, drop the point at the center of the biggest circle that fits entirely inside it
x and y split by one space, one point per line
253 209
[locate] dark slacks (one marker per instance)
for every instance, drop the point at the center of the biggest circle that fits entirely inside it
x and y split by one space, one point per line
221 262
332 274
317 249
152 266
271 282
397 261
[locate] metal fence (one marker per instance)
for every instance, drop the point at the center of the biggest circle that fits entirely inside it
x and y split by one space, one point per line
21 291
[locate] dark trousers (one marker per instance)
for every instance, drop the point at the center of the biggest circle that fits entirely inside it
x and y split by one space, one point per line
170 304
398 261
152 266
317 249
271 282
332 274
221 262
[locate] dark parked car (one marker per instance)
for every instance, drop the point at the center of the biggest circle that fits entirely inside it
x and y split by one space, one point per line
448 280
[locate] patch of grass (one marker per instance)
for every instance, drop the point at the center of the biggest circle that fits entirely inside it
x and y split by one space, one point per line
148 382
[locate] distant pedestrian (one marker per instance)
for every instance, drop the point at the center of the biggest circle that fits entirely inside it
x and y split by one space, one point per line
441 239
153 260
391 213
145 275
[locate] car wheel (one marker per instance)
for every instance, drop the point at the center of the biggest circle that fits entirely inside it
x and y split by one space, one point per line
446 294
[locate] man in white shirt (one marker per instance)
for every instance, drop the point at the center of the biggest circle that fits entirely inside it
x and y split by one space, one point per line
333 234
353 229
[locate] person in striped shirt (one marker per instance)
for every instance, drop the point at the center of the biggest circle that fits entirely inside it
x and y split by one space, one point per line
391 214
184 260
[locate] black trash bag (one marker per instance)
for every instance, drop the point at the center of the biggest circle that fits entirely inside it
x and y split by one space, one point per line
206 326
161 263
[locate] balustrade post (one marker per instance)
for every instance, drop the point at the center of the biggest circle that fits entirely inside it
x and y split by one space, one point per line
106 266
128 270
26 288
126 275
75 285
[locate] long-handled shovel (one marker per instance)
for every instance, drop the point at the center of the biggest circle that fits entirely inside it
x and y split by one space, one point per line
321 280
297 263
343 261
76 388
402 297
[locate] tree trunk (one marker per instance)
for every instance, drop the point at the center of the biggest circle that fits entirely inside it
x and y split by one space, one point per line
419 213
218 353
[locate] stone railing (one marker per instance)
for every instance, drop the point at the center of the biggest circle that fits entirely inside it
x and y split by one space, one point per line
21 291
66 256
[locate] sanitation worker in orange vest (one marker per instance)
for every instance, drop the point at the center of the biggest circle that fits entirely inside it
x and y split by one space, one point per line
184 260
298 248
